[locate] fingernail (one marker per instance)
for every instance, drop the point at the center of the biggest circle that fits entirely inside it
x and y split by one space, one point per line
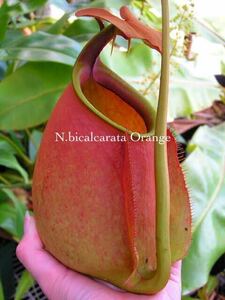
26 222
27 214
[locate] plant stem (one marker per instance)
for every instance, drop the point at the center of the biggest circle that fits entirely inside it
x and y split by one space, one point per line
161 118
159 278
161 163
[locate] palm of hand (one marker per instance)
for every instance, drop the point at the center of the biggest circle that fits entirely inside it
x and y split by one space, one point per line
61 283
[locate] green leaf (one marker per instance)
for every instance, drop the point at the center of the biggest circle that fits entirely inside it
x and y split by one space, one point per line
205 168
31 5
58 26
8 160
4 18
12 211
11 35
190 95
20 210
7 218
35 94
82 30
109 3
150 12
4 145
42 46
25 6
129 65
25 283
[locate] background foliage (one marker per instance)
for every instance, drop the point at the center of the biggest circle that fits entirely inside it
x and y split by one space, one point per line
39 42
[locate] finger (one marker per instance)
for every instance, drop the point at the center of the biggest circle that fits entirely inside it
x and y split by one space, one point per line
175 274
82 287
30 231
30 251
174 285
52 276
111 286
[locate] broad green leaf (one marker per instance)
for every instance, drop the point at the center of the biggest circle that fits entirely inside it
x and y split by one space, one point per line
151 12
4 18
109 3
188 95
4 145
25 283
58 26
7 217
20 210
42 46
31 5
205 168
11 35
130 64
38 87
8 160
82 30
21 7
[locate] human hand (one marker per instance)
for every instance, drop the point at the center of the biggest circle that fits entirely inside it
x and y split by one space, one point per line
61 283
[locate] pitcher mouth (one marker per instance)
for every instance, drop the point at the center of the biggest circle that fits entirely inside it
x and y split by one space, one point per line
109 96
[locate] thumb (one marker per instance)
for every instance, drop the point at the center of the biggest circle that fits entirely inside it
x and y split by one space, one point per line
30 251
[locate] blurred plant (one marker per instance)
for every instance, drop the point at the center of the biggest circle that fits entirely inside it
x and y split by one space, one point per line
37 52
180 25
